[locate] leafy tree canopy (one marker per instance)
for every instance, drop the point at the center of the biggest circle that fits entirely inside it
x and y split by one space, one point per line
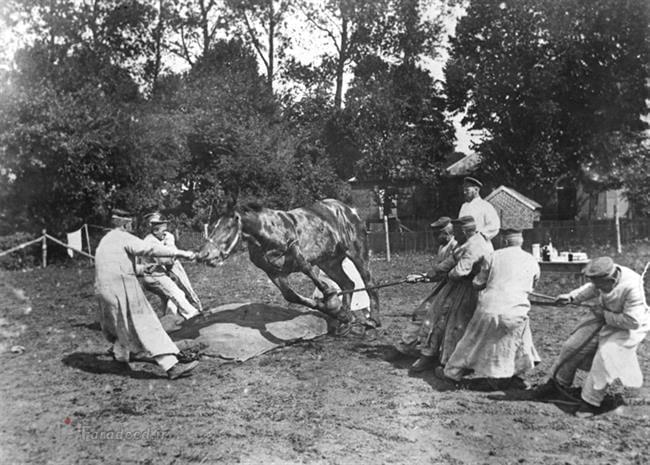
546 80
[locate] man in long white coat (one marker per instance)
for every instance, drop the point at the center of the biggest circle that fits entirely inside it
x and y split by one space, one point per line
605 344
126 316
498 343
486 217
166 277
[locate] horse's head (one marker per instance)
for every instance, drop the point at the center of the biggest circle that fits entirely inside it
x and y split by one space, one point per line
222 240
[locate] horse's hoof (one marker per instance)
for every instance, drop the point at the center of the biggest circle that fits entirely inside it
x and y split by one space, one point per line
332 303
371 334
343 329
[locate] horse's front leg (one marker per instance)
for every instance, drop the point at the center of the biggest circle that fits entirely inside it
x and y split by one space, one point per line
292 296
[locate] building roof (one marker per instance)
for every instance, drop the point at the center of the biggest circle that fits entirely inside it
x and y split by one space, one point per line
530 203
464 166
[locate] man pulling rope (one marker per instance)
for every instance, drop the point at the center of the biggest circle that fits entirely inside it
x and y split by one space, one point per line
604 344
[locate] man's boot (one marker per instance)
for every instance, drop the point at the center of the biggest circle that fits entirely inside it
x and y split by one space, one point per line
180 370
548 390
586 410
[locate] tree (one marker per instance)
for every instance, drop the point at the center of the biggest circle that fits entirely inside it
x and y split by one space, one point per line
69 138
545 80
105 42
62 155
237 140
394 29
395 107
629 170
399 125
344 23
262 23
195 25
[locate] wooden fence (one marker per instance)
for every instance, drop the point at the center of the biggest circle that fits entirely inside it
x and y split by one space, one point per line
563 234
42 240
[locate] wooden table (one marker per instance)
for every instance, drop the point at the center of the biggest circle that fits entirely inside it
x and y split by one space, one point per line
572 268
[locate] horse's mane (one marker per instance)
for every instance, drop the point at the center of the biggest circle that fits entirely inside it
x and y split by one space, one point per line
251 207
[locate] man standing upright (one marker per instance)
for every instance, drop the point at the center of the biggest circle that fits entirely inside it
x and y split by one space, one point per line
126 317
484 214
166 277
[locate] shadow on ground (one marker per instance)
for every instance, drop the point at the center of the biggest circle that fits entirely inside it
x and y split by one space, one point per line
102 365
567 404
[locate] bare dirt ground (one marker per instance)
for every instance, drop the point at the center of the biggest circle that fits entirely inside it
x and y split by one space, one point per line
327 401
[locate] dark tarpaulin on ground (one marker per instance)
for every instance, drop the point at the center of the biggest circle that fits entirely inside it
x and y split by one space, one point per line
241 331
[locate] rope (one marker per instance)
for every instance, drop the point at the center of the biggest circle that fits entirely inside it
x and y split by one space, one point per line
580 347
350 291
566 359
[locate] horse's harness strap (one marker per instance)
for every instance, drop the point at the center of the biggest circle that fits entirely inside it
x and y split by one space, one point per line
228 251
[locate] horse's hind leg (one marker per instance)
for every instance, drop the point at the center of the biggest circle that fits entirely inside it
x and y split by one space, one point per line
362 267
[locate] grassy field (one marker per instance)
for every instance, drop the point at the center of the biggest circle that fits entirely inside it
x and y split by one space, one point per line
326 401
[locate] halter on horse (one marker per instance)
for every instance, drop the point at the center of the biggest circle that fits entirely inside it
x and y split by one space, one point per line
284 242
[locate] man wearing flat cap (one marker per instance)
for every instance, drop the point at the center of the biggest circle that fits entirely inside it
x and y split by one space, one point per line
486 217
448 315
605 344
166 277
498 343
444 231
125 315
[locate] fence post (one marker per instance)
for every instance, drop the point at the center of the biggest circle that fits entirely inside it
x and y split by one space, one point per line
617 224
90 250
387 238
44 249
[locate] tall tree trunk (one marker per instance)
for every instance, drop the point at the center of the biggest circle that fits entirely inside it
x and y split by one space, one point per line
340 65
204 28
159 31
270 70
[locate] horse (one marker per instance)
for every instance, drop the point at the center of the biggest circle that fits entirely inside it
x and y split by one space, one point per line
301 241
